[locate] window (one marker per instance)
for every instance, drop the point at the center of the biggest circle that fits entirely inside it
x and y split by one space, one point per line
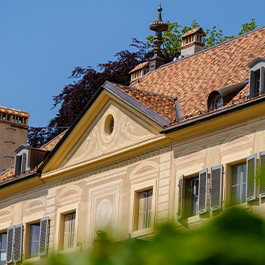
145 209
109 124
142 208
34 240
217 102
69 231
257 77
20 164
191 197
257 82
238 183
243 181
193 193
3 241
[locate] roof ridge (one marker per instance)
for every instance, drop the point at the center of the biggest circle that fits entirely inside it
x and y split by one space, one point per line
205 50
156 94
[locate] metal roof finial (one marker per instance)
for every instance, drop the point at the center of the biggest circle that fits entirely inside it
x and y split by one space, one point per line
158 26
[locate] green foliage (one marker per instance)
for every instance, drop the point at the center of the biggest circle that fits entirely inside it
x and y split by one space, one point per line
172 37
234 237
215 37
247 27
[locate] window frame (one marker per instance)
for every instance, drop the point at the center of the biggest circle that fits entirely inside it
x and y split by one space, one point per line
257 67
249 197
1 233
134 208
59 229
240 184
71 232
31 220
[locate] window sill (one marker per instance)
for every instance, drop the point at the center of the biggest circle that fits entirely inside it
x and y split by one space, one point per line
189 220
142 232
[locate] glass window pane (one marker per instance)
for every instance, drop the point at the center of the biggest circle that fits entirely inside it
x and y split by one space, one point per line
69 230
234 175
238 189
191 197
145 208
3 239
244 173
34 240
34 249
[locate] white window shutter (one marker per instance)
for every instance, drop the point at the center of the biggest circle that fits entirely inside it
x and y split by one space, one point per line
203 176
261 175
9 245
252 77
251 177
43 236
18 242
24 158
180 197
216 187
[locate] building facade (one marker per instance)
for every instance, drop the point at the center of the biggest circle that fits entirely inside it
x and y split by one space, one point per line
179 145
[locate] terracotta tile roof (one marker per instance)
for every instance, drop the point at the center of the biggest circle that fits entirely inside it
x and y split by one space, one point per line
15 112
162 105
139 66
50 145
9 173
192 79
193 31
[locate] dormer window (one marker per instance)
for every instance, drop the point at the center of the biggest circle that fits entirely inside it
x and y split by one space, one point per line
217 102
220 97
257 77
21 161
20 166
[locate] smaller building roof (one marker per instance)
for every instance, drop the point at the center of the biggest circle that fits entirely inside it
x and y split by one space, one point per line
9 174
139 67
15 112
200 30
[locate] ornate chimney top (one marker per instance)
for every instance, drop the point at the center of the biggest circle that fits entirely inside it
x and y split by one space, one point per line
158 26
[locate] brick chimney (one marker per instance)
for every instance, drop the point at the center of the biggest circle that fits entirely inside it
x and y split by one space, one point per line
192 42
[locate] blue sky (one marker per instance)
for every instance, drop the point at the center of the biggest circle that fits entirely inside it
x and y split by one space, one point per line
43 40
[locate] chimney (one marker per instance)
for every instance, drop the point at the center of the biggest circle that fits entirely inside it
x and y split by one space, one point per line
192 42
158 26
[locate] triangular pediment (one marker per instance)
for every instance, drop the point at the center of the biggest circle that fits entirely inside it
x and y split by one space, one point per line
109 126
98 140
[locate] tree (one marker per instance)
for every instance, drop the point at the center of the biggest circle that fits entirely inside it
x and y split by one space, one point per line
172 37
77 94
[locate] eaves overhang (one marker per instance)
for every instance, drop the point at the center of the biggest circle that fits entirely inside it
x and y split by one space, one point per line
213 115
18 179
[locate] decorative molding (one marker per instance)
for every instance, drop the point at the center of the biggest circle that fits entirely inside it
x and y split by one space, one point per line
123 163
99 142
